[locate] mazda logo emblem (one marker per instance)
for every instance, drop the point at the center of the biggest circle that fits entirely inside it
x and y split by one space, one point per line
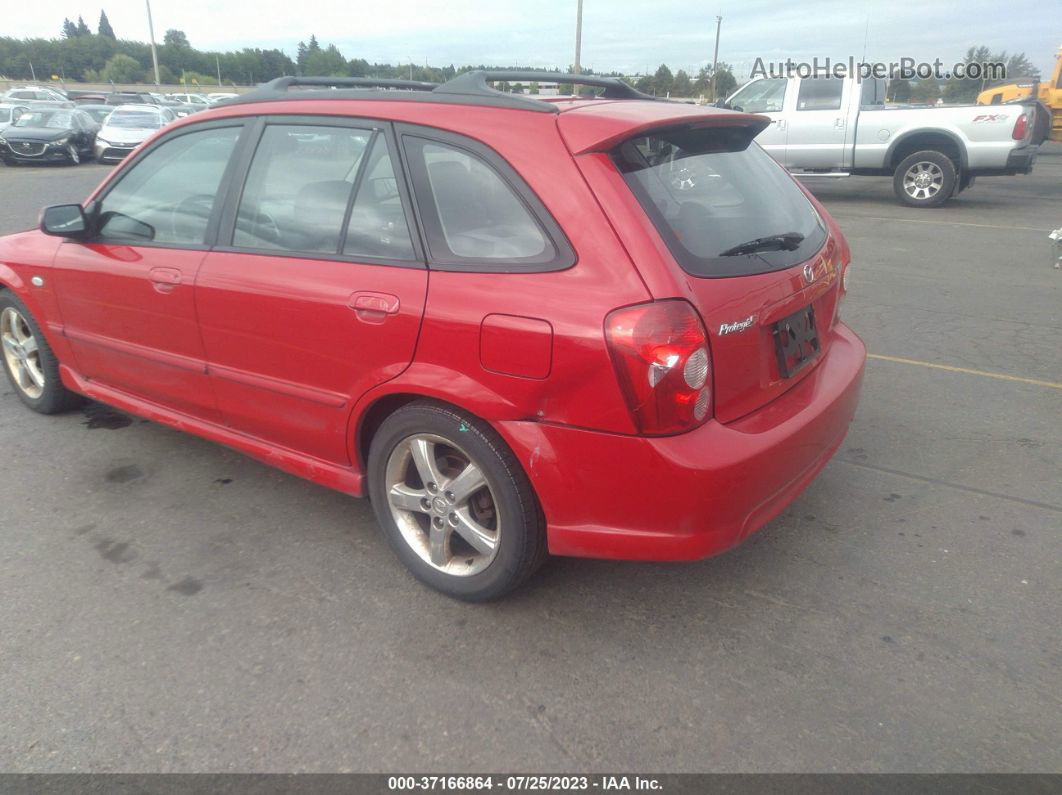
809 274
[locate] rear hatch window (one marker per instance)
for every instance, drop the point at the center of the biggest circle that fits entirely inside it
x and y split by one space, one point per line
767 269
721 204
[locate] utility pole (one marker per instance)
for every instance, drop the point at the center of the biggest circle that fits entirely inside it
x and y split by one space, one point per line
217 62
154 53
578 35
715 57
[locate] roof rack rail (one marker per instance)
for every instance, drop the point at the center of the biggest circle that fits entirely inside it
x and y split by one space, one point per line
284 83
470 88
477 82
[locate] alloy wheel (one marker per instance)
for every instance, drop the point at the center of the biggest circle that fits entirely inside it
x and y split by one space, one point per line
442 504
923 180
21 353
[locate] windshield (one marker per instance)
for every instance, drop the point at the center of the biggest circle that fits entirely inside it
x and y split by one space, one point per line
722 205
5 114
135 120
54 119
760 96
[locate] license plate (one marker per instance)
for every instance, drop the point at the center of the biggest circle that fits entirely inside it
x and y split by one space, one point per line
797 341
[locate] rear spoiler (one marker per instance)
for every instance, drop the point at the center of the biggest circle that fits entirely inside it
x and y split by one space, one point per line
600 128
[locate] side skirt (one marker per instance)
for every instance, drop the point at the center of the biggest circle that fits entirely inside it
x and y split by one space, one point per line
344 479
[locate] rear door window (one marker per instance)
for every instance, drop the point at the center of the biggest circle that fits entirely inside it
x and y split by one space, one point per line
712 194
319 189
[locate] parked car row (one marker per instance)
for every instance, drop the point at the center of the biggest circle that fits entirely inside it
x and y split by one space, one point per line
182 103
44 134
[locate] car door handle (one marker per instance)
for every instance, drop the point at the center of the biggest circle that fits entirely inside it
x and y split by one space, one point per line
165 279
838 122
373 307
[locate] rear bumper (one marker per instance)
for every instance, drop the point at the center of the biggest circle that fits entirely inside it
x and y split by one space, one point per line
1019 161
694 495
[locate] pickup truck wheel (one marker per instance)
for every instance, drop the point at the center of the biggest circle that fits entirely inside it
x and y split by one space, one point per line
925 179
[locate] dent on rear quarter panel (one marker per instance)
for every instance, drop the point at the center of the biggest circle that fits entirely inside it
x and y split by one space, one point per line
580 386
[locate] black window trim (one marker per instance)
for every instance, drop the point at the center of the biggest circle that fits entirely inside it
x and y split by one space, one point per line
223 186
380 128
564 254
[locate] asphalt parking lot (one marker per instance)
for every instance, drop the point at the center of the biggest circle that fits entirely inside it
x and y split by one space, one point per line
169 605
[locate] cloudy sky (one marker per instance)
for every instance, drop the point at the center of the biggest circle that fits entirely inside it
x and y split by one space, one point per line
617 34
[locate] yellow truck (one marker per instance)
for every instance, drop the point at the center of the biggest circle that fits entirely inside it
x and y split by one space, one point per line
1045 94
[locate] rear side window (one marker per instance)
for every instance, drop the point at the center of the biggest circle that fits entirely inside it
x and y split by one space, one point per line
820 93
476 212
478 215
721 204
168 195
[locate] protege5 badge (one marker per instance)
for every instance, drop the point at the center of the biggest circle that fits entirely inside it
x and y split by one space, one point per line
734 328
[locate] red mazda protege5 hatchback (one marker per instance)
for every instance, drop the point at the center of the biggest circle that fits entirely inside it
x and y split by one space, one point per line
605 326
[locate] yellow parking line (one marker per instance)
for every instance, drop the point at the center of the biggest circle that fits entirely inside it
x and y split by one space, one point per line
950 368
949 223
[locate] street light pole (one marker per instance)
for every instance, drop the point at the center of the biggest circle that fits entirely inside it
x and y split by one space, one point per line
715 57
154 53
578 35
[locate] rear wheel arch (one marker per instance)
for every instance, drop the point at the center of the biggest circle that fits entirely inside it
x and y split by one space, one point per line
373 417
945 143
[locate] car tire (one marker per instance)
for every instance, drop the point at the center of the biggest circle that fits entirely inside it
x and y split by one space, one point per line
471 542
29 362
73 154
925 179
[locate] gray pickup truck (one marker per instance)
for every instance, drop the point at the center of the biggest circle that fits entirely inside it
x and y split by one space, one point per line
829 126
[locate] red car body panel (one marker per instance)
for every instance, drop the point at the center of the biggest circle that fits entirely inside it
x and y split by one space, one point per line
284 358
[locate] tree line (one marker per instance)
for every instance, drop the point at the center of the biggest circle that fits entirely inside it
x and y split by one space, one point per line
958 91
81 55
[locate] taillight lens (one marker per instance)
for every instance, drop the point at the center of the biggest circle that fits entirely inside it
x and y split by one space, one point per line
664 366
1020 127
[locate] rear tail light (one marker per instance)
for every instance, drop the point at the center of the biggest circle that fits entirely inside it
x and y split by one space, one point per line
842 292
1020 127
660 352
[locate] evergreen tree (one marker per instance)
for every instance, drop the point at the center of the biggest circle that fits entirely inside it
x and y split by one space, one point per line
682 87
662 81
69 29
82 28
105 28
